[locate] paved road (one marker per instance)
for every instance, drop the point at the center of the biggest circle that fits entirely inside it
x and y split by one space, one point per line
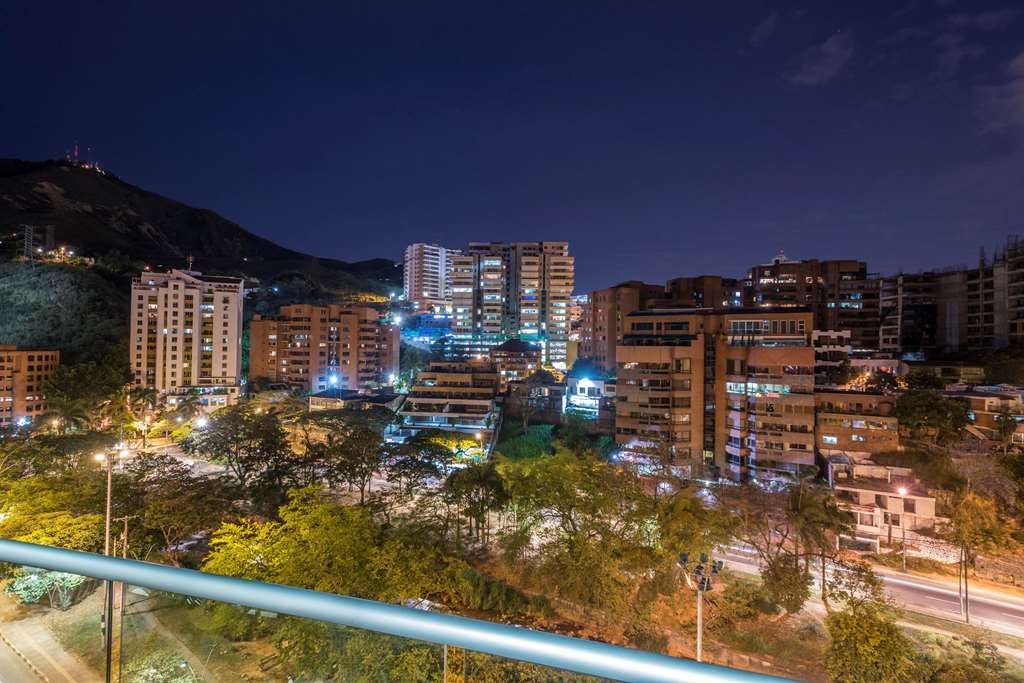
35 642
13 669
996 611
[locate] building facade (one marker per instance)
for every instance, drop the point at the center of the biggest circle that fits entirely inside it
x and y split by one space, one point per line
604 318
427 277
515 360
454 396
323 347
518 290
841 293
909 314
730 386
186 334
22 373
855 423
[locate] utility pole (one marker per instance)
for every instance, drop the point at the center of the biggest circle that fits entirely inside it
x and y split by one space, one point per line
704 572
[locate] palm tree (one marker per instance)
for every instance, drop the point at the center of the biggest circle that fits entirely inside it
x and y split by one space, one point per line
64 411
1006 427
189 405
818 521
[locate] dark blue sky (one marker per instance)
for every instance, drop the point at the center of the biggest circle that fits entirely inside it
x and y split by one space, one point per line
660 138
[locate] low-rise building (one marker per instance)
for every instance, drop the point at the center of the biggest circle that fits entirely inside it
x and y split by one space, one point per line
887 503
986 403
22 373
855 422
348 399
457 396
590 393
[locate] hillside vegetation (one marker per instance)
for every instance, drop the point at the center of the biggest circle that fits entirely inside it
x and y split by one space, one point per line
56 306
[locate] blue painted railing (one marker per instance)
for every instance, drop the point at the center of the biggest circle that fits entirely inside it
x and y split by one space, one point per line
547 649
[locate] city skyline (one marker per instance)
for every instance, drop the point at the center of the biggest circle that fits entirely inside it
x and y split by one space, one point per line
669 125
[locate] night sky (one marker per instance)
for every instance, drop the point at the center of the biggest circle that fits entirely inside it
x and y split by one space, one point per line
659 138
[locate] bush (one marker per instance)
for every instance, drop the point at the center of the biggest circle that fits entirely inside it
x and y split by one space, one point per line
163 666
536 442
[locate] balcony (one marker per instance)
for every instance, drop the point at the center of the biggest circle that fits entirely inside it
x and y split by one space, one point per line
440 641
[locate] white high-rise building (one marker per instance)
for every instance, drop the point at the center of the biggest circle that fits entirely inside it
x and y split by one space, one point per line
186 334
427 273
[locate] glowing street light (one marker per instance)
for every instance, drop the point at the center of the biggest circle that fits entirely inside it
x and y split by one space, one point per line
201 422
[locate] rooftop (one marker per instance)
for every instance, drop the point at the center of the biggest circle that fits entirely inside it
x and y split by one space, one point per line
718 311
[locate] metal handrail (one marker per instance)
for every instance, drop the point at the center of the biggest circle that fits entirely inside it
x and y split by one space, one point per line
546 649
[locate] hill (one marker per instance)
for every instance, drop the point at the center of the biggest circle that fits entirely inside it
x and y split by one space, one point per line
98 214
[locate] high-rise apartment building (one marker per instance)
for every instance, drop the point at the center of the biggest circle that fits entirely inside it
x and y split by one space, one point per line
842 294
605 315
729 386
22 373
186 334
322 347
519 290
427 278
908 313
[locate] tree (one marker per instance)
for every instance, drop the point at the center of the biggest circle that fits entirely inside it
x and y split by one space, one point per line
254 448
64 412
883 382
762 522
88 382
1006 427
839 374
479 490
419 461
357 457
587 528
927 413
865 645
973 527
922 380
334 549
818 522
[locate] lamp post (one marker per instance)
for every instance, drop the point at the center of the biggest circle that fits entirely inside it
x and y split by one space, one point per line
704 571
108 601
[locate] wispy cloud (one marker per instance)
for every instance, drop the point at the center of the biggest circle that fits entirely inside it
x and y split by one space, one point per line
764 30
822 63
955 50
995 20
1002 104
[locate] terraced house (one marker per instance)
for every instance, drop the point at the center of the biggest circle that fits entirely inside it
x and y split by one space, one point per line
456 396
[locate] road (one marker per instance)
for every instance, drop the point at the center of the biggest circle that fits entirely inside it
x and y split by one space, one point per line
996 611
13 669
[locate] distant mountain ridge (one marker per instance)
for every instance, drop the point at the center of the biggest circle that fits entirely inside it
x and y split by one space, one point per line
98 213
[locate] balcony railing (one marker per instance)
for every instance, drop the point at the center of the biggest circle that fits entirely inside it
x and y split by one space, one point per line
413 627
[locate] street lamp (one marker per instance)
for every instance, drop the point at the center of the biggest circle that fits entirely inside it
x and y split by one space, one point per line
704 571
201 422
903 522
108 609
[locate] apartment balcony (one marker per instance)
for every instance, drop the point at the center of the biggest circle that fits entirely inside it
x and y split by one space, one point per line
140 588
